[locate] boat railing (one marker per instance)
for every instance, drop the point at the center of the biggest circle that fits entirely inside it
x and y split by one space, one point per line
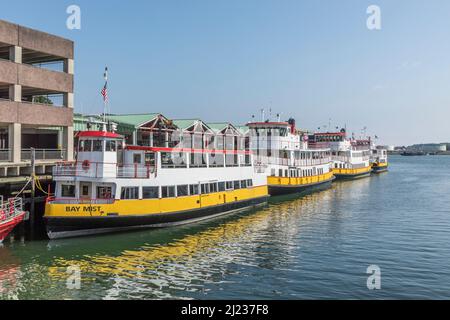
318 145
287 162
135 171
88 169
341 158
76 201
10 208
311 162
360 148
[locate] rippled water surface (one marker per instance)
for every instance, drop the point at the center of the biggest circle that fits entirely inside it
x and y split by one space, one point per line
318 246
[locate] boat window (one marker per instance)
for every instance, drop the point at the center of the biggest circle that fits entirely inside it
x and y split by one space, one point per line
249 183
231 160
183 191
129 193
280 172
150 159
181 159
247 160
85 191
193 189
166 160
137 158
168 192
236 185
111 146
244 184
205 188
197 160
229 185
85 146
221 186
97 146
150 192
104 192
212 187
67 191
214 159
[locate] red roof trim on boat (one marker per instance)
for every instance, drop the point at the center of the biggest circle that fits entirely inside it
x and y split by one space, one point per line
267 123
99 134
330 134
140 148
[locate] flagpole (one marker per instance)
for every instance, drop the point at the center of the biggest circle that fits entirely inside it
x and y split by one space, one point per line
105 100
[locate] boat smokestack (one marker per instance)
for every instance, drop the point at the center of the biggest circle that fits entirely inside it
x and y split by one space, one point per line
291 122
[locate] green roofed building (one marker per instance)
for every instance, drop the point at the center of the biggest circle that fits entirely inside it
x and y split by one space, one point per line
86 123
136 128
244 130
131 126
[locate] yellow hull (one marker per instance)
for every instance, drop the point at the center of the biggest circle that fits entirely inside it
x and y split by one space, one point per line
352 173
153 206
380 164
379 167
298 182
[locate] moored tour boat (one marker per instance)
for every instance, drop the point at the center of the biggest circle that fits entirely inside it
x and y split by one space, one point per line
11 214
181 177
350 157
379 159
292 165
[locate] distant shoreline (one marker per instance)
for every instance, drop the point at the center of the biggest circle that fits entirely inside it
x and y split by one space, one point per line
441 153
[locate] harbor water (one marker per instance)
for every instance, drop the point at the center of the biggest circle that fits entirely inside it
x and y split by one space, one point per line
315 247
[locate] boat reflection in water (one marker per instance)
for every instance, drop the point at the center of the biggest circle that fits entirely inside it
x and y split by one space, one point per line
9 272
261 254
184 262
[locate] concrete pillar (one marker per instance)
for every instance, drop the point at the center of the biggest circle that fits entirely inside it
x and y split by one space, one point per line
68 100
15 92
15 54
135 137
60 138
15 141
69 66
68 142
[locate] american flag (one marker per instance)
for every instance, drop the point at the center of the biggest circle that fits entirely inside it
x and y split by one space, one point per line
105 88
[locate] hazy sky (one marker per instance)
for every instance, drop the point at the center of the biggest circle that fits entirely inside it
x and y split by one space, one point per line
225 60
